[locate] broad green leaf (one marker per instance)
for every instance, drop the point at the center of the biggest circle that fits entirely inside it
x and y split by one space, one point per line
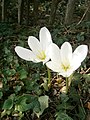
25 103
8 104
22 106
23 74
43 100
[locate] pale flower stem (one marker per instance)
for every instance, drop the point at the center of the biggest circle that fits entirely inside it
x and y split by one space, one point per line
70 80
57 76
49 76
67 85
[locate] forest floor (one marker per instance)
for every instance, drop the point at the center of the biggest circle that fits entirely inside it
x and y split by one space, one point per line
19 78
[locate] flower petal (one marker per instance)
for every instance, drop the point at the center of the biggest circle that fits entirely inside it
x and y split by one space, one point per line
53 66
80 52
46 59
34 44
54 53
66 53
24 53
75 62
67 73
45 38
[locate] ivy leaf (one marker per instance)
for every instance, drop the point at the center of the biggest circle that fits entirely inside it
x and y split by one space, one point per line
23 74
8 104
43 100
22 106
17 88
25 103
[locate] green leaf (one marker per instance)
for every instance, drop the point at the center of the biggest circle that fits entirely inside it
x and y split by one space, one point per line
80 37
81 113
25 103
23 74
17 88
64 98
1 94
74 95
43 100
10 72
65 106
8 104
63 116
22 106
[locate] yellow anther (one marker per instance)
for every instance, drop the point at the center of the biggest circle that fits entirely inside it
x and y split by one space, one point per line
65 67
41 55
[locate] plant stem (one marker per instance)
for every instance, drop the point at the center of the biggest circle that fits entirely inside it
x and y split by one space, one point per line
70 80
49 76
67 85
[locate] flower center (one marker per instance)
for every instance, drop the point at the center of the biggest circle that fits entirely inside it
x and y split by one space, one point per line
65 67
41 55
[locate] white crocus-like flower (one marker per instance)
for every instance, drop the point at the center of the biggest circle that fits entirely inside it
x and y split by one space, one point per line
39 49
64 61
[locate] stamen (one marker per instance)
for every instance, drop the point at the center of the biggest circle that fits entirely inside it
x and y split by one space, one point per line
41 55
65 67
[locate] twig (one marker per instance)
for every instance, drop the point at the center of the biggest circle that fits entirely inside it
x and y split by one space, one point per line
82 16
87 70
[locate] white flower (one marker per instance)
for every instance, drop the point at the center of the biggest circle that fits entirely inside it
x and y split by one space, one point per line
64 61
39 49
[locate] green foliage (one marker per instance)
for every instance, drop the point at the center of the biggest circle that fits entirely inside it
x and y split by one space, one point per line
8 104
1 94
5 29
23 74
24 91
25 102
80 37
63 116
43 101
70 106
82 113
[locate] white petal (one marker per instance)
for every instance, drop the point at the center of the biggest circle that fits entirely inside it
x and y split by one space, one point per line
66 74
81 52
34 44
24 53
46 59
54 53
75 62
66 53
45 38
53 66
